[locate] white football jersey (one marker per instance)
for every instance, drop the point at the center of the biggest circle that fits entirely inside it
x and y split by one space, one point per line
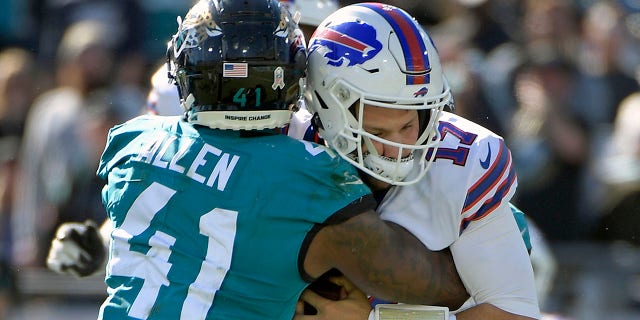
462 203
471 176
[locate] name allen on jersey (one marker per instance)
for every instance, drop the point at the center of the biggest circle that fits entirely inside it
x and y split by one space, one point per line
164 152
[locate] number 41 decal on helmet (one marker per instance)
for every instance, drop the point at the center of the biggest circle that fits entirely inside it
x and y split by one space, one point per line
241 96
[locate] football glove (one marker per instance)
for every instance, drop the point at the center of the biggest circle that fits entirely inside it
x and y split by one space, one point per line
77 249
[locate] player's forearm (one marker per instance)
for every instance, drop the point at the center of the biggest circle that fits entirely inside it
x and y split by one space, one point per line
487 311
442 286
410 275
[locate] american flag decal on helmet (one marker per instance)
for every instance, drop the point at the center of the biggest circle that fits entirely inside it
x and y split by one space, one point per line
235 70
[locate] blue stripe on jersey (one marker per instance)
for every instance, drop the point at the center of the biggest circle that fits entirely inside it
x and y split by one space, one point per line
413 47
490 178
492 203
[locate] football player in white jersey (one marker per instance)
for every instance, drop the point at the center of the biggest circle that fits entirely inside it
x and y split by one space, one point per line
377 92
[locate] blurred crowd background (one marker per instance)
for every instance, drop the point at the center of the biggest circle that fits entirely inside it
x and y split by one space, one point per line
559 79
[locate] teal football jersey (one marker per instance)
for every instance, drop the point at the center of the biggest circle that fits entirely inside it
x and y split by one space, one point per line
210 224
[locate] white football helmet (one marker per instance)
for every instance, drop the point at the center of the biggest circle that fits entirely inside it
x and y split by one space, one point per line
375 54
312 12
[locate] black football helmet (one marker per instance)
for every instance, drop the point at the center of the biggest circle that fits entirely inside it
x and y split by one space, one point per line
238 64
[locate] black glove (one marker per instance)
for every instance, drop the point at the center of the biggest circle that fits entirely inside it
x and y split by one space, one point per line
77 249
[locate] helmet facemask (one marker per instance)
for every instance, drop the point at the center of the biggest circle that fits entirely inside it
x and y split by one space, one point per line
356 145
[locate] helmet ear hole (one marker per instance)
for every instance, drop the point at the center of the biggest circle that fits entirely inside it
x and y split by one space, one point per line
323 104
352 109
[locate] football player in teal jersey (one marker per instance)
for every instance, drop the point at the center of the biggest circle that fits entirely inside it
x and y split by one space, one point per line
218 215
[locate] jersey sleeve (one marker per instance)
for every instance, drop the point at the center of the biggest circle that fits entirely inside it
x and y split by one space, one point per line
324 179
493 181
489 278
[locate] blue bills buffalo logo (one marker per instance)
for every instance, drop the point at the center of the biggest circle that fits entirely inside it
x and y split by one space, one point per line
350 42
421 93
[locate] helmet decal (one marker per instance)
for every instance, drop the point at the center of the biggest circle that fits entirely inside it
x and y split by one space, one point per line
278 78
283 25
421 93
350 41
196 27
235 70
414 49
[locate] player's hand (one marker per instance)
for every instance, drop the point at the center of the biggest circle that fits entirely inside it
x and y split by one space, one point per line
77 249
353 304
